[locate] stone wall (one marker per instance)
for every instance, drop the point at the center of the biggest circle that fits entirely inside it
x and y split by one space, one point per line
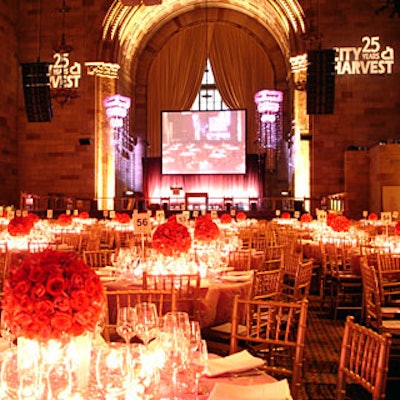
8 103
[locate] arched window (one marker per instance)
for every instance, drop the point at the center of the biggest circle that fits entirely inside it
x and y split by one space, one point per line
208 98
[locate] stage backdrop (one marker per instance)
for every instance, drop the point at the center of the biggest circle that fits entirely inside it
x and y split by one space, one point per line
218 187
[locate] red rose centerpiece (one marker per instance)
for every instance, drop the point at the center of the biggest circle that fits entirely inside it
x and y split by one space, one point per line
21 226
306 217
225 218
171 238
205 229
52 300
51 294
241 216
339 223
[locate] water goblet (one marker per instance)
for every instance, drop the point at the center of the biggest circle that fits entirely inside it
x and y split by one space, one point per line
147 322
126 323
113 370
195 335
199 364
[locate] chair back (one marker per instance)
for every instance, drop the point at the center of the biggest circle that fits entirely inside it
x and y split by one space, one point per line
364 360
98 258
165 301
240 260
187 288
388 268
267 284
371 296
275 331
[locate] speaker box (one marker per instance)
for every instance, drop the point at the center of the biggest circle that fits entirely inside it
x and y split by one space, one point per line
321 81
36 85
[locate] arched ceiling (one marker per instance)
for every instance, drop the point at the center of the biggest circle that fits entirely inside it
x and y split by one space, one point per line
130 28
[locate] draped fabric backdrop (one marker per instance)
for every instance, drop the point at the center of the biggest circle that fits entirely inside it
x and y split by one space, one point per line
240 187
241 68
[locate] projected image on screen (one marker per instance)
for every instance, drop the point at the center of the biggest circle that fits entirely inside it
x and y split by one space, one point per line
203 142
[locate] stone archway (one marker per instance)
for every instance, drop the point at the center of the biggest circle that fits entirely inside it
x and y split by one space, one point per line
133 36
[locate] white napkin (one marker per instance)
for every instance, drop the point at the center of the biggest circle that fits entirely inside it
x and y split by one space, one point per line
237 276
241 361
278 390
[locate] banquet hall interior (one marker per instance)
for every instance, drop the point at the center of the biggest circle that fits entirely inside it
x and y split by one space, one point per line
249 150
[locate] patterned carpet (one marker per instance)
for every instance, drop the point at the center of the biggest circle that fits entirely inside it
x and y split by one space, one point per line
322 351
323 340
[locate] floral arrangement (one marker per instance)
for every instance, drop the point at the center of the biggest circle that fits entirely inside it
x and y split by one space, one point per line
64 219
285 215
122 218
373 217
83 215
225 218
338 223
171 238
52 294
20 226
397 228
241 216
205 229
307 217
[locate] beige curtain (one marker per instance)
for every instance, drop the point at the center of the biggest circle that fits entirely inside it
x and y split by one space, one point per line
240 65
241 68
174 80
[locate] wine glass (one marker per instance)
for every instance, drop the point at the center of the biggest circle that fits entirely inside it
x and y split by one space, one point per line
195 335
113 370
199 364
126 323
147 322
175 343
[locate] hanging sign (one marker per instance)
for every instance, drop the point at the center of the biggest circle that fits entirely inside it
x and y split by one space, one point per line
63 74
370 58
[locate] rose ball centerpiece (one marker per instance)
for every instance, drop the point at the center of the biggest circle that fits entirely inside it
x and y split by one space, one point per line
54 300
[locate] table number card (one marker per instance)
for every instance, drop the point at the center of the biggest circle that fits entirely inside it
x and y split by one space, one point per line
160 215
182 219
141 223
277 213
112 214
321 216
24 213
195 213
214 214
233 213
18 213
76 212
10 214
49 214
365 213
187 214
105 213
395 215
296 214
68 212
386 218
1 211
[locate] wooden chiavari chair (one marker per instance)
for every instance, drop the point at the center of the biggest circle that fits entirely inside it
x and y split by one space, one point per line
240 260
388 269
299 287
267 284
99 258
275 331
379 318
187 288
364 360
165 301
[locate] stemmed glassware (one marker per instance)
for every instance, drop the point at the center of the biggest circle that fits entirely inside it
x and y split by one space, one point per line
195 336
199 364
113 370
175 336
147 322
126 323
